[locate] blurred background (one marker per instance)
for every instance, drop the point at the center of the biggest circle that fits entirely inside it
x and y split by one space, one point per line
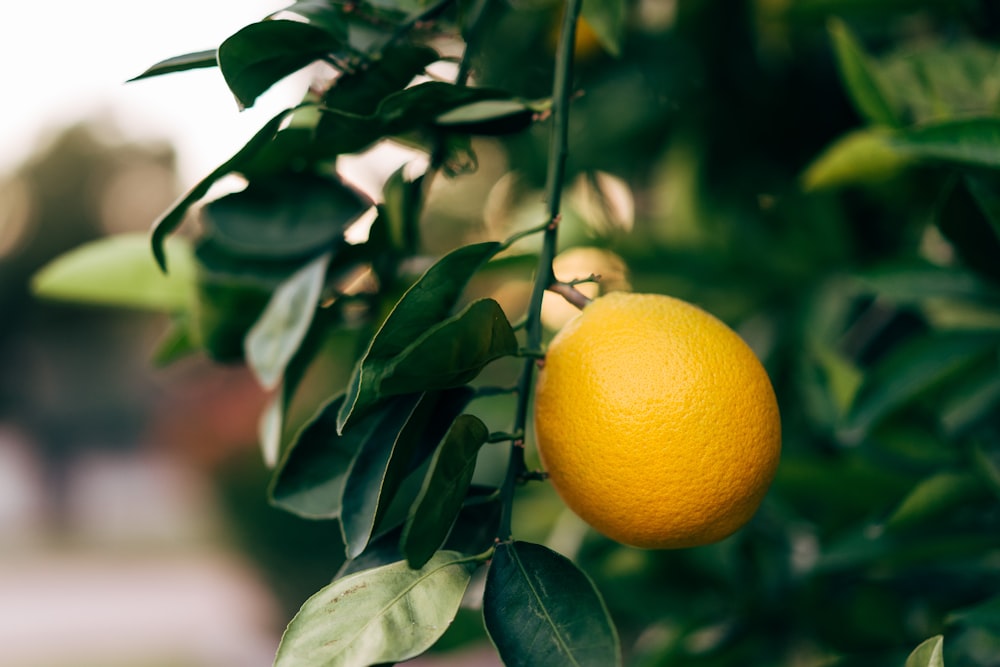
134 527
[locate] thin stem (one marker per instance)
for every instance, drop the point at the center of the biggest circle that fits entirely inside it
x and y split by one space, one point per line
570 293
558 150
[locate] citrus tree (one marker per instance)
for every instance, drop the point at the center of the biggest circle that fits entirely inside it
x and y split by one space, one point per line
838 208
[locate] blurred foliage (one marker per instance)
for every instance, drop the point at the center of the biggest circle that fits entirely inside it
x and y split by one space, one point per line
822 174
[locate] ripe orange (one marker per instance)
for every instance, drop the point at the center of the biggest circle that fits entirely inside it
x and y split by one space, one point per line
656 422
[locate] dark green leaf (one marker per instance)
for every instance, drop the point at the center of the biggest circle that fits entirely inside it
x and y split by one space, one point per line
275 337
289 217
478 523
195 60
323 14
401 211
935 495
916 283
986 193
310 479
361 92
540 609
388 614
965 142
171 219
607 18
930 653
861 78
986 615
426 303
972 402
443 491
261 54
424 102
382 464
912 369
116 271
451 353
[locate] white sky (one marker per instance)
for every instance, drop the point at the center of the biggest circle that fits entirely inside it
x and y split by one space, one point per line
65 60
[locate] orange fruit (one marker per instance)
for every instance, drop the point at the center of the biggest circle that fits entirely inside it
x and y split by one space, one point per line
656 422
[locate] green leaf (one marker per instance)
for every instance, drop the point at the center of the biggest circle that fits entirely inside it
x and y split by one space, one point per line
913 368
196 60
360 93
971 142
117 271
172 218
424 102
934 496
861 78
385 615
177 342
540 609
972 402
378 469
985 614
865 156
452 352
321 14
273 340
309 481
488 117
607 18
401 211
445 486
261 54
428 301
284 217
930 653
985 194
915 283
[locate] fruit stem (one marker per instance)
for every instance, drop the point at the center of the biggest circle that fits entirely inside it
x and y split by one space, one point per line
544 277
570 293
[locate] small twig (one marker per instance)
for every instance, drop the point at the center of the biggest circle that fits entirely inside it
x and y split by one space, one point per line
503 436
570 293
532 476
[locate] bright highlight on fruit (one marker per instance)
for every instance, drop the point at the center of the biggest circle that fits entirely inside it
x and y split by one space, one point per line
656 422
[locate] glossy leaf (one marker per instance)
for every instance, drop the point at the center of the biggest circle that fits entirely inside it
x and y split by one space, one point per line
372 480
451 353
428 301
930 653
913 368
385 615
360 93
540 609
444 489
488 117
287 217
275 337
424 102
607 19
401 210
310 479
934 496
261 54
322 14
117 271
971 142
861 77
172 218
865 156
182 63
